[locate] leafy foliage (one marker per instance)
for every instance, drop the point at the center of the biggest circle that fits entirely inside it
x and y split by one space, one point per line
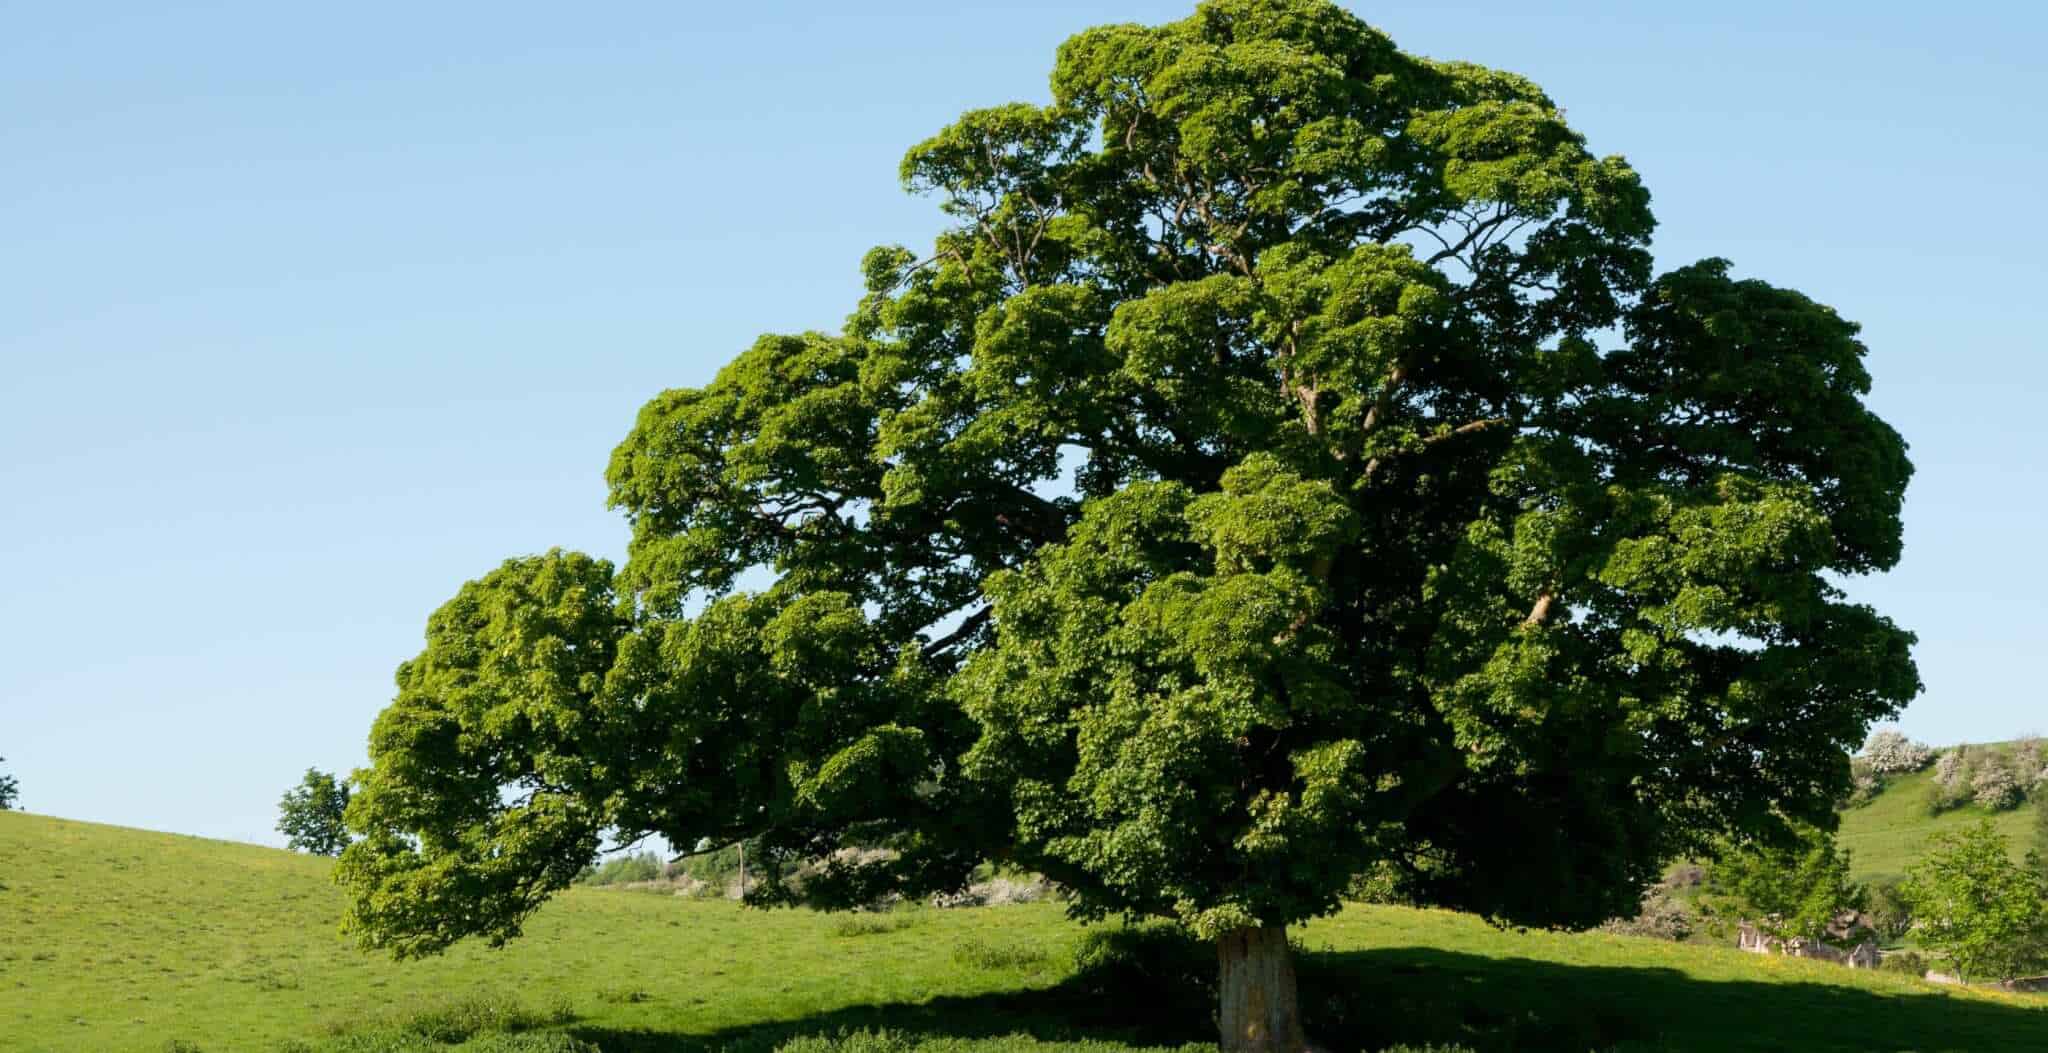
310 814
10 790
1787 890
1886 906
2041 835
1976 905
1287 464
619 870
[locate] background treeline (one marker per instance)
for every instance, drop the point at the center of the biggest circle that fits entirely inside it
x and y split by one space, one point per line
709 873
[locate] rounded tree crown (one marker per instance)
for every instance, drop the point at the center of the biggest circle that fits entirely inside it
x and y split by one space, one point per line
1286 466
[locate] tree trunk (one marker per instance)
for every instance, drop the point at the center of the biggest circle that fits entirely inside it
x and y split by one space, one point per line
1259 1009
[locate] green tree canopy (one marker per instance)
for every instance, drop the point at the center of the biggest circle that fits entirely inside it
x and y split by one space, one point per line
1287 462
1972 902
1787 891
10 790
310 814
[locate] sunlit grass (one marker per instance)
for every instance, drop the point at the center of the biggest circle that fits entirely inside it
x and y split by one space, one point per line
115 939
1887 835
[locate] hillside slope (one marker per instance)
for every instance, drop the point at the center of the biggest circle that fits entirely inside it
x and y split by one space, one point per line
1888 834
114 939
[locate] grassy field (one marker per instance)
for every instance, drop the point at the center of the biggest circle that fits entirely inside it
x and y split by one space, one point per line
1890 832
114 939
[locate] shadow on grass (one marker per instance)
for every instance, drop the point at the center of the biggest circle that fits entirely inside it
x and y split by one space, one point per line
1369 1000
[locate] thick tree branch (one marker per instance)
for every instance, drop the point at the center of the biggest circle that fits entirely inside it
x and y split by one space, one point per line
966 628
1469 427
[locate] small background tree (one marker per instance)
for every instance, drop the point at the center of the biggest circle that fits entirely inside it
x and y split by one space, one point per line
1973 903
1884 903
10 790
1788 890
310 814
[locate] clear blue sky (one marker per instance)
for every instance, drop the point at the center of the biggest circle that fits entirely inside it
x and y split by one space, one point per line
308 314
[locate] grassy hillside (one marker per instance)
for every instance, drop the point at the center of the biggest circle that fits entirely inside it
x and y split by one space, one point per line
114 939
1890 832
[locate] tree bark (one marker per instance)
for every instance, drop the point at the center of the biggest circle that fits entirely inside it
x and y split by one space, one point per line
1259 1010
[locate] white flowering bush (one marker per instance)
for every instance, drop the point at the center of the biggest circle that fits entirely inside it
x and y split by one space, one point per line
1995 787
2029 756
1954 771
1948 771
1864 783
1891 753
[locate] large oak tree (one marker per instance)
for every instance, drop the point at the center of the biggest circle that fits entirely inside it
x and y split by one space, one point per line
1287 464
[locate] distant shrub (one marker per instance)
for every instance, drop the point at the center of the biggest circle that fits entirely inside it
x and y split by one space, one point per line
542 1042
997 891
1864 783
1662 915
1994 785
1659 918
862 1041
983 954
451 1021
1912 963
1886 908
2041 834
2028 756
1952 766
409 1042
1950 787
620 870
1891 753
869 924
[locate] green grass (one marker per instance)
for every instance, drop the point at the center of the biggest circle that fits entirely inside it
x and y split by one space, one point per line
115 940
1887 835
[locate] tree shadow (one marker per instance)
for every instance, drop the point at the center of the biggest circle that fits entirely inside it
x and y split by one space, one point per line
1369 1000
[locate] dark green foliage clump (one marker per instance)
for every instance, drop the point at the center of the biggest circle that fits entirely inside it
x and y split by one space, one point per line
413 1042
2041 834
1911 963
620 870
874 924
983 953
1885 904
310 814
10 790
